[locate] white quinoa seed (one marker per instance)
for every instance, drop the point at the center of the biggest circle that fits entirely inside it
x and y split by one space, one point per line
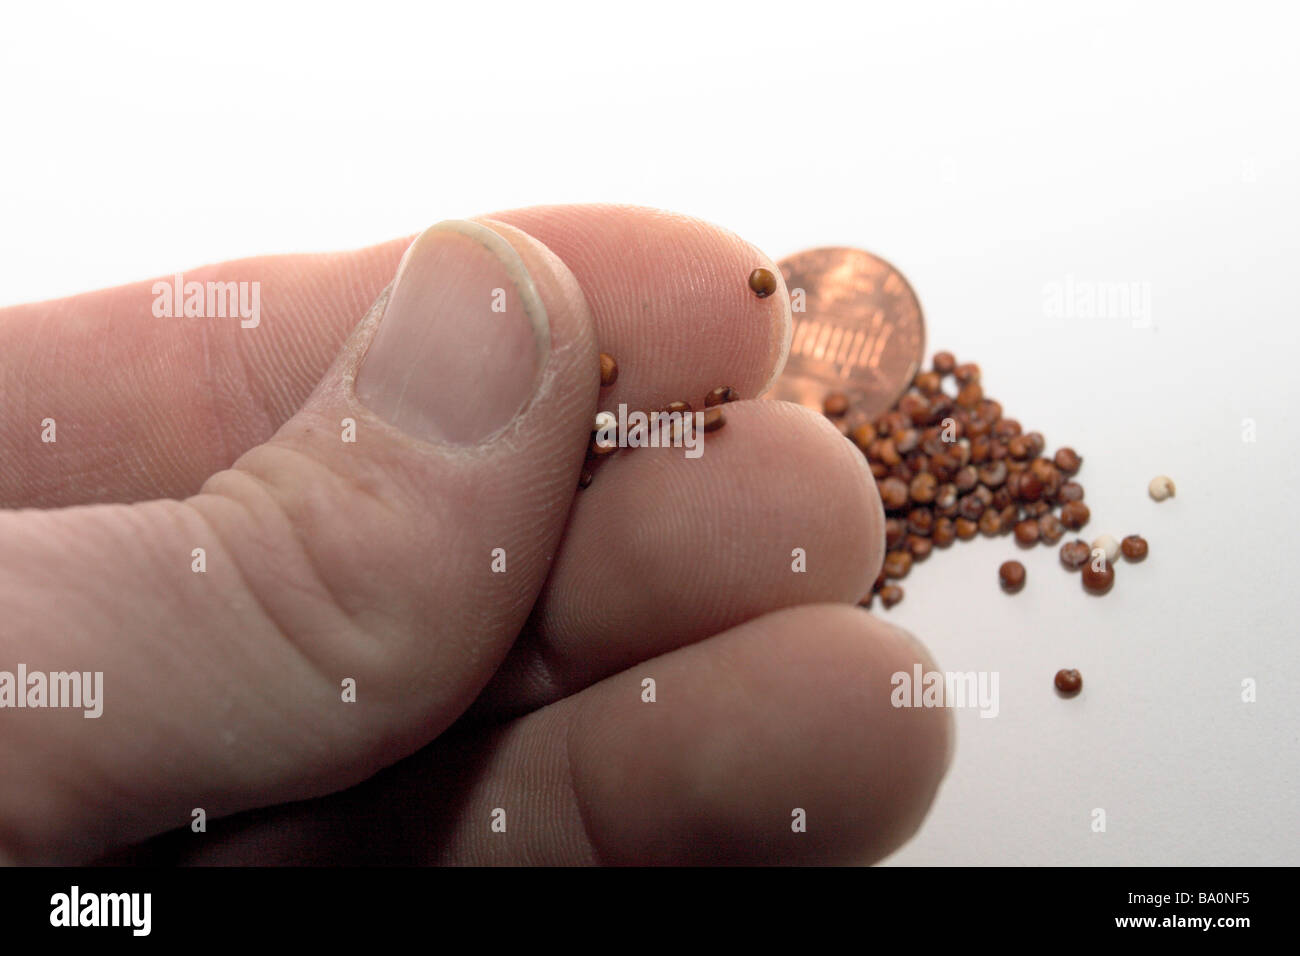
1161 487
1107 544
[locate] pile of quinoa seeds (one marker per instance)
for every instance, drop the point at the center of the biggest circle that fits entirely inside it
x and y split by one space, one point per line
949 466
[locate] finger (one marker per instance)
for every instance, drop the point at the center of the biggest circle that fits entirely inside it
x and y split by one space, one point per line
671 300
326 562
790 712
149 407
667 550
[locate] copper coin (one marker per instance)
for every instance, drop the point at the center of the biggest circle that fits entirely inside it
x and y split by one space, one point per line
858 329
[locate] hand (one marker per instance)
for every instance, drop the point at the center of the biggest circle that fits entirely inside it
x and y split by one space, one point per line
329 563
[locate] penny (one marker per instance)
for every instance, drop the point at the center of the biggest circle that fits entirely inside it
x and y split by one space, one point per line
858 330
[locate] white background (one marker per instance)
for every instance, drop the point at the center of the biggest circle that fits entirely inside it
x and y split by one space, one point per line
988 150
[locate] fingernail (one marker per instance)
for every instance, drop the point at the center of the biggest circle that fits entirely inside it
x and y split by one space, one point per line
462 341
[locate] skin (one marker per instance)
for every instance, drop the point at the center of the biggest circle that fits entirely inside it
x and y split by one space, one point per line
222 689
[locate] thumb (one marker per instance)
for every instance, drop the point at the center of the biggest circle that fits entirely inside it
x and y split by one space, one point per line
330 603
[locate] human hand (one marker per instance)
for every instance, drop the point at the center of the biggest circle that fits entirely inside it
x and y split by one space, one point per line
328 560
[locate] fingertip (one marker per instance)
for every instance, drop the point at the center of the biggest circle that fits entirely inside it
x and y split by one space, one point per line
782 319
776 742
861 499
670 297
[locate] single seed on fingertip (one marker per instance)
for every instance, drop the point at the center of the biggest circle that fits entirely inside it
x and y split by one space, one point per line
720 396
1068 682
679 407
608 370
713 419
584 479
762 282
